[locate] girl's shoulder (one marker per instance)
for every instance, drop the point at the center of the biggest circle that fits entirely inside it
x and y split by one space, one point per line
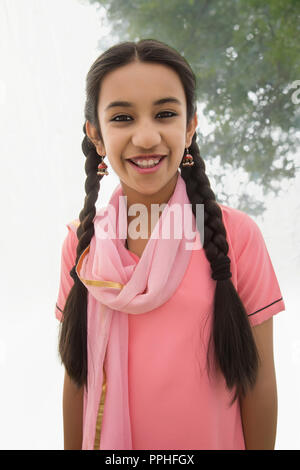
236 219
256 281
73 225
233 216
241 228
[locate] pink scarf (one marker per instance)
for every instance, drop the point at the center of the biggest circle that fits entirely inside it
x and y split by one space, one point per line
117 286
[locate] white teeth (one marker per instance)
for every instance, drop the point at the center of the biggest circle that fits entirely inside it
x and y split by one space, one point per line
147 163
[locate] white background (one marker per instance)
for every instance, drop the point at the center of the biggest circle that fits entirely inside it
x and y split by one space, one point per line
46 49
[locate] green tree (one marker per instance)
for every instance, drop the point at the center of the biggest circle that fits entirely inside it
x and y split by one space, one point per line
246 57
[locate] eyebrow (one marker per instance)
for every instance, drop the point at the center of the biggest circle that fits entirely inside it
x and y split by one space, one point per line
168 99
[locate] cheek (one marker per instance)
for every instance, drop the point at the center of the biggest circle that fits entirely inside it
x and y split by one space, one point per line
177 138
117 163
117 147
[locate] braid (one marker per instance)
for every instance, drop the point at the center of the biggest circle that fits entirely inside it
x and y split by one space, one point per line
200 192
234 347
73 333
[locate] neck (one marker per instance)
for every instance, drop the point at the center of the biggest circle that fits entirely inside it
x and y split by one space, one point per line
161 197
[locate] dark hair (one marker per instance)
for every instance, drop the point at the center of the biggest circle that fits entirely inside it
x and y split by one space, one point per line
233 344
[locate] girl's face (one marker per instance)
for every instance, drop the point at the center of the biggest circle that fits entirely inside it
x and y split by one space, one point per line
141 126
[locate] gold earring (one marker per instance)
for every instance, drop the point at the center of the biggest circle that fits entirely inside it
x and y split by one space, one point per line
188 159
102 168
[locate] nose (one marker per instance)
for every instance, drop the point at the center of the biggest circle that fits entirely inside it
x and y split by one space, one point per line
146 136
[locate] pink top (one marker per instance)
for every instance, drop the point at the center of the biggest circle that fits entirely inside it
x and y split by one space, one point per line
172 403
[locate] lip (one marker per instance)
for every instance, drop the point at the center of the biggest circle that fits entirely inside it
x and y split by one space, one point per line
146 170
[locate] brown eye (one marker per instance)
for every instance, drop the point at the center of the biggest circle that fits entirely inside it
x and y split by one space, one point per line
120 115
168 112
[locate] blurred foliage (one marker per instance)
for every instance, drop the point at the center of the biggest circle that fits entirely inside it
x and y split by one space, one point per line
245 55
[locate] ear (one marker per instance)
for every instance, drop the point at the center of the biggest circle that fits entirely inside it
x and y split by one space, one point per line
92 134
191 130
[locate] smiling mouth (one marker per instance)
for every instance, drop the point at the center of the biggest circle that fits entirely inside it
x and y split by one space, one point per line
158 160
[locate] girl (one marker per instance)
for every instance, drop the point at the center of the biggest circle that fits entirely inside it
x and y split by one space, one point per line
164 347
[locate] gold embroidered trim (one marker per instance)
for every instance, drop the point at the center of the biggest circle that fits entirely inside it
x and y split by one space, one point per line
100 414
111 284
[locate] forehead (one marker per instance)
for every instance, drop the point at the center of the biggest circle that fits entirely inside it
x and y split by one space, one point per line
140 83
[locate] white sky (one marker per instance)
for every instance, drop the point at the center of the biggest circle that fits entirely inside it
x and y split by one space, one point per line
46 49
